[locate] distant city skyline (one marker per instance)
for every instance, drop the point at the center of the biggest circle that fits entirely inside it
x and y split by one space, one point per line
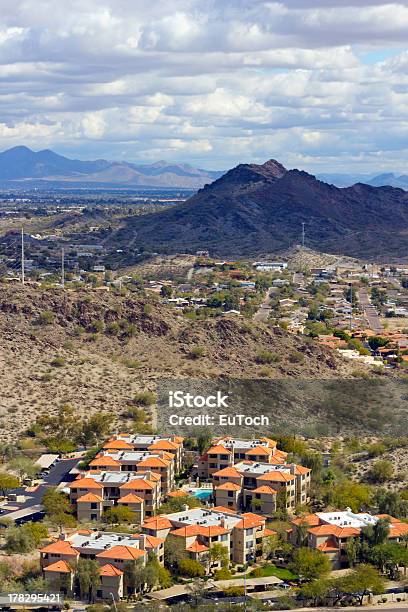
317 84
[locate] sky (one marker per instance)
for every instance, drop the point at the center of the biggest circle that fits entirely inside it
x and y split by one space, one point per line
320 85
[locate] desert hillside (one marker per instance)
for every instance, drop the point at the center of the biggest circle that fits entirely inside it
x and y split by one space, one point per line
95 350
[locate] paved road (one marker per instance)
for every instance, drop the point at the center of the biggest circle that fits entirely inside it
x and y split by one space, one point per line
263 311
370 312
59 473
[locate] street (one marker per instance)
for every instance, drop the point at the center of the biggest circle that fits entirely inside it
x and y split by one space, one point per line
370 312
263 311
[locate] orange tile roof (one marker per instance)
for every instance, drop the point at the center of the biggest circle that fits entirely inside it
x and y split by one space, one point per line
103 460
153 541
328 545
122 552
58 566
61 547
224 509
277 476
398 530
118 444
157 523
194 530
164 445
178 494
83 483
259 450
265 489
335 530
271 443
196 547
153 462
137 483
228 472
89 497
218 450
228 486
269 532
130 498
310 519
300 469
110 570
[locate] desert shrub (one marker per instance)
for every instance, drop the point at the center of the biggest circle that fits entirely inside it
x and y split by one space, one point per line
45 318
58 362
265 357
144 398
197 352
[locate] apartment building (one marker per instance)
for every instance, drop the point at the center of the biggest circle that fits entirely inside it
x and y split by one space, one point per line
153 443
227 451
113 552
329 532
199 529
160 462
96 491
249 485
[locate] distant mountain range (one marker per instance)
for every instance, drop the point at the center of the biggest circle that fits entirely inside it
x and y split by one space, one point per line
376 180
255 209
22 166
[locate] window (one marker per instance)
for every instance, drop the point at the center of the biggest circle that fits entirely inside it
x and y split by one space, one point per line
230 493
224 537
249 532
99 593
249 544
258 495
94 506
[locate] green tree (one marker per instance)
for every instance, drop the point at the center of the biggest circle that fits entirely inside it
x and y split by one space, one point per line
116 515
191 568
88 575
382 471
363 579
166 291
24 467
349 494
8 482
316 590
310 563
219 553
58 508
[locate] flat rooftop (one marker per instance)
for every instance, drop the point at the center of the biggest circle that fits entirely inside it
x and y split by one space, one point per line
261 468
207 518
115 478
347 519
103 540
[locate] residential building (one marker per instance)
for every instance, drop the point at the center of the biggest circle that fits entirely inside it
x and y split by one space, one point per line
200 528
96 491
113 552
329 532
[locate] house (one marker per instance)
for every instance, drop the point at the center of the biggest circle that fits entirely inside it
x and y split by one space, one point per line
250 474
330 532
113 552
96 491
200 528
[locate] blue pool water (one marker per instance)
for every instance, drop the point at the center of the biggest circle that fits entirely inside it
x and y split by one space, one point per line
203 494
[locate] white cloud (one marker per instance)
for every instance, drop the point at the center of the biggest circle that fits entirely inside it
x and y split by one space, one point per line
212 83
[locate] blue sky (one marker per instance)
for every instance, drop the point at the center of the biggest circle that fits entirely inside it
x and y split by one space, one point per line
318 84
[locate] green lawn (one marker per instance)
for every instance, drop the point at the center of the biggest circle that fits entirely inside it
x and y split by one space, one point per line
279 572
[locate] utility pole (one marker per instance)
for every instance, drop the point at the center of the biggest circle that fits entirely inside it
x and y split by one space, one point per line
303 234
22 257
62 269
351 307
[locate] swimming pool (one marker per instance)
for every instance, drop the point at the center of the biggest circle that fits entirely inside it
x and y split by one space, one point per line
203 493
